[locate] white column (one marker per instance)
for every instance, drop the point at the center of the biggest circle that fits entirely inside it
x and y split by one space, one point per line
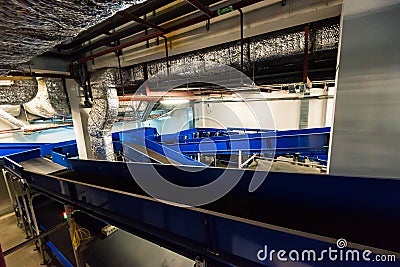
82 138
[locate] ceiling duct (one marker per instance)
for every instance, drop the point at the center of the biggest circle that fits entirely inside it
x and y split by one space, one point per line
17 92
50 101
13 110
103 113
30 28
57 96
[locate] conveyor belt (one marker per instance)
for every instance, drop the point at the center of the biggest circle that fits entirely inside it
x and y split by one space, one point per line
152 154
356 208
41 165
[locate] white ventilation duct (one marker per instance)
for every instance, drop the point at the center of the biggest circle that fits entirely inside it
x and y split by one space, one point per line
103 113
13 110
50 101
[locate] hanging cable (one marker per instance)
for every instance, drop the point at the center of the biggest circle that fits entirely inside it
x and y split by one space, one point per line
79 234
120 71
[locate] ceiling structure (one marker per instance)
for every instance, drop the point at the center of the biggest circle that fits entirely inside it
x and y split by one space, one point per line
30 28
82 31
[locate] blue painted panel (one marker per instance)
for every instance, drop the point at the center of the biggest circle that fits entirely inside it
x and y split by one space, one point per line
11 161
227 236
63 260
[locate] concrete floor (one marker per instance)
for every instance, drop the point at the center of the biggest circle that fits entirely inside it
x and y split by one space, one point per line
10 236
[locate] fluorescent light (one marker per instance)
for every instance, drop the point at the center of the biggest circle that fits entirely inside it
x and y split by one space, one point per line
174 101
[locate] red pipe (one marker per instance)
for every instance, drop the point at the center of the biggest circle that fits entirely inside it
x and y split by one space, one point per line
137 98
19 130
121 46
149 98
179 26
139 20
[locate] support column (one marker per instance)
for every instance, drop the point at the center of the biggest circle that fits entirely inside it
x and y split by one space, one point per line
79 118
367 124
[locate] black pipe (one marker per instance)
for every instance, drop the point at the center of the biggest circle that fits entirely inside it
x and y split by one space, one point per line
305 64
120 72
241 39
166 52
180 10
114 22
34 74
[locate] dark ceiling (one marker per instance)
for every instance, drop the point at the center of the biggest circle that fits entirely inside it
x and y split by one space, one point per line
31 27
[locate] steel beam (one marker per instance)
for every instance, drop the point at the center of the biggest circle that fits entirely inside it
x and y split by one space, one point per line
168 30
200 7
140 20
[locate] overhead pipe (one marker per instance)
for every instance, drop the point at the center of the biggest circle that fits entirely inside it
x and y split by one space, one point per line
181 9
166 52
169 93
139 20
113 23
305 63
200 7
23 127
121 46
179 26
22 74
241 39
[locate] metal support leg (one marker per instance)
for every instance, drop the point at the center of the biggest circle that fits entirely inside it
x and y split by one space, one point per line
29 233
8 187
240 159
41 244
21 221
199 262
64 190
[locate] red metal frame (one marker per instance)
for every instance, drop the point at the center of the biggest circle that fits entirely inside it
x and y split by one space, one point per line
179 26
200 7
139 20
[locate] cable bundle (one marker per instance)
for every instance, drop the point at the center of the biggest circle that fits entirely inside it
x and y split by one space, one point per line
79 234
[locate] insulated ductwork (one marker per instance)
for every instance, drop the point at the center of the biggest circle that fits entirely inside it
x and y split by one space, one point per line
13 110
104 113
57 96
18 92
12 120
50 101
30 28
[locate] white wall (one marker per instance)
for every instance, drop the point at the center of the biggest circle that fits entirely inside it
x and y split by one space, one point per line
178 120
285 113
317 109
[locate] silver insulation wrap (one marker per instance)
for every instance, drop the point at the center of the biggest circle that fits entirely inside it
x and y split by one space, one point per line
57 96
40 105
276 46
30 28
12 120
19 92
13 110
327 37
265 48
103 113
